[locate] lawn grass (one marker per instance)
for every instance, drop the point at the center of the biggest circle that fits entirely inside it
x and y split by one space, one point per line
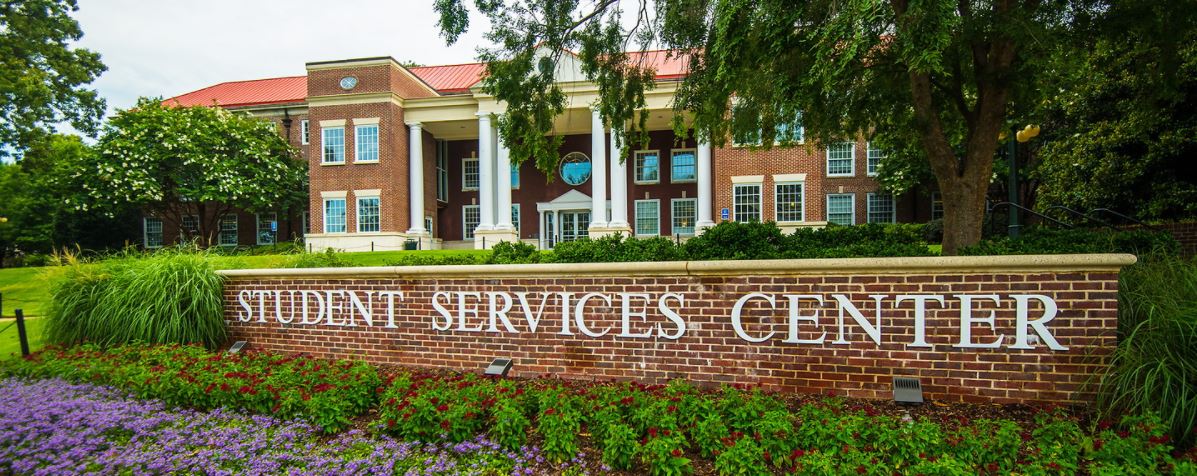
10 345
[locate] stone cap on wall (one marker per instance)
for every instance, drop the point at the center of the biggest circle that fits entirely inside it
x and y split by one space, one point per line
1110 262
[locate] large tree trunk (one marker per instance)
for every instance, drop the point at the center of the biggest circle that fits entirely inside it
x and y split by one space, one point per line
963 213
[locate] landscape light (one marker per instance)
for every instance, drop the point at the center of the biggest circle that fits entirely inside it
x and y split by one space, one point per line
237 346
498 368
908 390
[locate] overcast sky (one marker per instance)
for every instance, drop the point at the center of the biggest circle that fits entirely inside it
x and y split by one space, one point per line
169 47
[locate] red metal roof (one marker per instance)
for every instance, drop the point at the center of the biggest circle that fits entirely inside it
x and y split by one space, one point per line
247 93
454 78
446 79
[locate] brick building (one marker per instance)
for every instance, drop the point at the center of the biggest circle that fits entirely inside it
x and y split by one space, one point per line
403 155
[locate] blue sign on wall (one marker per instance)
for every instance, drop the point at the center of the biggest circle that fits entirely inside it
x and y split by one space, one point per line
725 214
273 225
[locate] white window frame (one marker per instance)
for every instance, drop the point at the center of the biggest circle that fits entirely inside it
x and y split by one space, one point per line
777 201
852 202
324 156
258 228
936 205
304 135
442 178
220 241
344 214
358 143
672 176
760 201
145 232
673 215
636 166
465 173
851 161
873 154
183 228
467 231
358 211
636 216
893 207
515 218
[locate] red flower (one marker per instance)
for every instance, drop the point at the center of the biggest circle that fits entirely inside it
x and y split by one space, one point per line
676 453
652 432
797 454
445 425
672 408
224 387
441 408
861 469
390 422
1097 444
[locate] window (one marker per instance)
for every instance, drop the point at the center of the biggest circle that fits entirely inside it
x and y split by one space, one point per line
307 220
936 206
190 225
303 132
366 143
575 168
746 202
228 230
874 159
684 213
786 131
648 217
787 201
683 166
152 227
469 174
267 228
515 218
367 214
841 208
648 167
332 141
515 176
880 208
841 159
442 178
334 215
471 216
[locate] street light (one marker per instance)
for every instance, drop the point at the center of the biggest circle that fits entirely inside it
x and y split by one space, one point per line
1020 135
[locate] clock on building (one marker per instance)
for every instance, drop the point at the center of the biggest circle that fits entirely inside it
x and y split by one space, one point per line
348 82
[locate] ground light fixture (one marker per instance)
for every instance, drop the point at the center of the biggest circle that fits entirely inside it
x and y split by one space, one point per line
908 390
237 346
498 367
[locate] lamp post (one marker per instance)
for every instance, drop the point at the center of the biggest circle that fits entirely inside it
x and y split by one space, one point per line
1025 134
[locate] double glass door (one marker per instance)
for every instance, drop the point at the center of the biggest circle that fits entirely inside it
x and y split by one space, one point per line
566 225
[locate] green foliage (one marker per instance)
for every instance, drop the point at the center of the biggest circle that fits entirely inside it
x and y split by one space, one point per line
42 73
616 248
738 240
425 259
1154 367
329 258
744 457
1079 240
168 297
868 240
327 393
507 252
662 451
619 446
558 424
177 161
1121 136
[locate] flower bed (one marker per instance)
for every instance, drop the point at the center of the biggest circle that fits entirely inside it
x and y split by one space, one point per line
664 430
55 427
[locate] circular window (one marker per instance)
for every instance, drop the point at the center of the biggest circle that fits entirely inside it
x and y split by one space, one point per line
575 168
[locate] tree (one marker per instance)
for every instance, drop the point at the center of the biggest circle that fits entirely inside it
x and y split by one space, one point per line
933 79
1121 139
178 161
35 218
41 75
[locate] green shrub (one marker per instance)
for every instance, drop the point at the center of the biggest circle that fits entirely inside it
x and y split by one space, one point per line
507 252
167 297
329 258
617 249
737 240
1154 367
868 240
436 259
1078 240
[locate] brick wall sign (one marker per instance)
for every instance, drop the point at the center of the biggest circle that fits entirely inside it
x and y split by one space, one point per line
1002 329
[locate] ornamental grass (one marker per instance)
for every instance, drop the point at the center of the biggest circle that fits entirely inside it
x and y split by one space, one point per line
168 297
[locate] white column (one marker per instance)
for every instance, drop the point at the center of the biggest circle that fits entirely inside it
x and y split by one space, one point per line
540 216
704 185
415 172
619 187
503 180
486 173
598 173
